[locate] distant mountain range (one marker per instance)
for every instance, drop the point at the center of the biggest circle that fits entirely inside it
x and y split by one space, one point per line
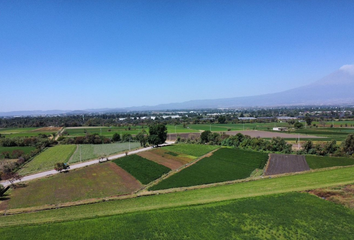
334 89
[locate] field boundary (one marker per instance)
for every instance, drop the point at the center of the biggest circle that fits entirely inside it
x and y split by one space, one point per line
172 172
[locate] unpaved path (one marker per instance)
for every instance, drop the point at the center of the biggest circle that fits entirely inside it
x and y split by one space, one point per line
77 165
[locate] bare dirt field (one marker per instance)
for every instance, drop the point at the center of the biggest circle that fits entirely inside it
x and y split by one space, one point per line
162 157
47 129
264 134
282 163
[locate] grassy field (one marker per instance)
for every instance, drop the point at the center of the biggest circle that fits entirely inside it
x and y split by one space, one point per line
283 216
26 150
142 169
109 131
225 164
46 160
195 150
323 162
300 182
93 151
24 132
100 180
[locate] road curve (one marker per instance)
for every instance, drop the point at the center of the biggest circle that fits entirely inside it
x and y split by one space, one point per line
77 165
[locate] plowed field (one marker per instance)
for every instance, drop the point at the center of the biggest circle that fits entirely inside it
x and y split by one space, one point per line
281 163
165 158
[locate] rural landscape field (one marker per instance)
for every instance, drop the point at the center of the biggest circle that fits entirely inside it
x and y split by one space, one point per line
164 120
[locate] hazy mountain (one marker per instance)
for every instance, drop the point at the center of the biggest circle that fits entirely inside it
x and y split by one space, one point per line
334 89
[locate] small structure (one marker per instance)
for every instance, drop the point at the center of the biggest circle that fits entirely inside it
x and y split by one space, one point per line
281 129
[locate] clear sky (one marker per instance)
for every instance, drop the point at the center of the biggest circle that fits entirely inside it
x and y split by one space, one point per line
107 54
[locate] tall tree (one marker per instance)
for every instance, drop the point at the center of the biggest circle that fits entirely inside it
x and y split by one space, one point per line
158 134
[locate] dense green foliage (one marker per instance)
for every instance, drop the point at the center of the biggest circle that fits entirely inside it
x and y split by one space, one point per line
157 134
224 165
284 216
47 159
142 169
267 186
92 151
191 149
315 162
13 152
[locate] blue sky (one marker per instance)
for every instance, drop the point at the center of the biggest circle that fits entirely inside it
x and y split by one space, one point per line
106 54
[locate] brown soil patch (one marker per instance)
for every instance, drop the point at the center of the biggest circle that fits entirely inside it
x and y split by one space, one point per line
47 129
343 195
172 136
128 180
283 163
150 155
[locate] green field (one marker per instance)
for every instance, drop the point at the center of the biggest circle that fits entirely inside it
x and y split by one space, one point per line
282 216
142 169
225 164
46 160
109 131
194 150
300 182
22 132
26 150
94 151
96 181
315 162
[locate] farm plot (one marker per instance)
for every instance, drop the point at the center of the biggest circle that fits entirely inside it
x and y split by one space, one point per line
92 151
225 164
283 163
46 160
282 216
324 162
100 180
142 169
166 158
195 150
14 152
26 132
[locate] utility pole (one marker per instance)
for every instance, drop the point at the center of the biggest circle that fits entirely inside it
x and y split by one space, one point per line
80 153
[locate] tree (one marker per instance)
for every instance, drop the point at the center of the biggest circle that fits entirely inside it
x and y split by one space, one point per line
298 125
222 119
11 177
204 137
142 138
116 137
158 134
308 120
348 144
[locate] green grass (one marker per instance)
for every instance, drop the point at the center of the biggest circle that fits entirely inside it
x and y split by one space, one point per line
300 182
46 160
94 151
283 216
195 150
26 150
22 132
142 169
225 164
323 162
96 181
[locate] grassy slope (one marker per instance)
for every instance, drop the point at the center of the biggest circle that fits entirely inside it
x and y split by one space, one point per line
92 151
95 181
284 216
47 159
224 165
323 162
191 149
142 169
306 181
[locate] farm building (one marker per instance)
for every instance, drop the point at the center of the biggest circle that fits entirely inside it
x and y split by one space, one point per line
280 129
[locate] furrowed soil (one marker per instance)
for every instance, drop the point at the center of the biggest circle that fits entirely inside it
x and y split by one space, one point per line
286 163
